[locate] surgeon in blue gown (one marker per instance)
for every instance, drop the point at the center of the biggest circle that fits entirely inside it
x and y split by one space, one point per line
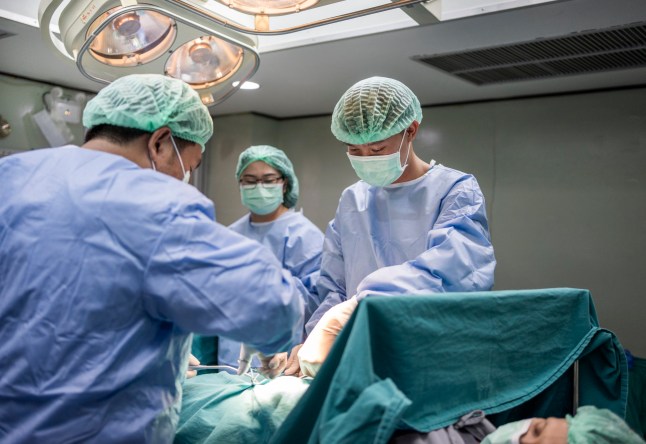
108 262
269 189
407 227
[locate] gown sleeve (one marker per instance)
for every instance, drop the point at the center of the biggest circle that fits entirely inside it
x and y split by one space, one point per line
331 283
303 251
208 279
459 255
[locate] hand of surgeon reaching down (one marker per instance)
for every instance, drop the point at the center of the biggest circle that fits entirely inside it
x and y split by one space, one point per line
319 343
271 366
293 366
192 360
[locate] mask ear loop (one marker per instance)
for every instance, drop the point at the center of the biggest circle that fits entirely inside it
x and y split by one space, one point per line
407 152
186 176
178 156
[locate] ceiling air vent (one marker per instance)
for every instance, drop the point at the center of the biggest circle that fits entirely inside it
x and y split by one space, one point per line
584 52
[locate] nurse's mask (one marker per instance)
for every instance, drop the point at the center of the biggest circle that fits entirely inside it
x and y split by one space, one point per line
262 198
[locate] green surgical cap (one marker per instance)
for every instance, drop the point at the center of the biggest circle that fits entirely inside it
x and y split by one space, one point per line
276 159
374 109
591 425
148 102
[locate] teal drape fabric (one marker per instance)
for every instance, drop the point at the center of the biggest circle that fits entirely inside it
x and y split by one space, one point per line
205 349
444 355
220 408
636 407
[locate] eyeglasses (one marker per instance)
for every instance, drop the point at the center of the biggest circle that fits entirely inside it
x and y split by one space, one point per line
250 182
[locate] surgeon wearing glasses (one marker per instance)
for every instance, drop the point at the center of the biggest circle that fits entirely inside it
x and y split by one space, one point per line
408 226
269 189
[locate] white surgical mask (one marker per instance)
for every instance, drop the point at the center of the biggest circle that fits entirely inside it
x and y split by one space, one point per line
380 171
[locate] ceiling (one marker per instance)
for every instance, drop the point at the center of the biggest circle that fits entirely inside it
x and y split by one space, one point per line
308 80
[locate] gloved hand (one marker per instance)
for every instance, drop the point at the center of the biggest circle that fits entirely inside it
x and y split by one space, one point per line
320 341
192 360
244 362
293 366
271 365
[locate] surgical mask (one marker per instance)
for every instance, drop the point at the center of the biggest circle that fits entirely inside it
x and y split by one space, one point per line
380 171
262 199
187 174
508 433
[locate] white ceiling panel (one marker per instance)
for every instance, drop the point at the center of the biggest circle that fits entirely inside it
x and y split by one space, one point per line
308 79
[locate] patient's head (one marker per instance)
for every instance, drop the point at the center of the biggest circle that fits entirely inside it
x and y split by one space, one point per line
541 430
590 425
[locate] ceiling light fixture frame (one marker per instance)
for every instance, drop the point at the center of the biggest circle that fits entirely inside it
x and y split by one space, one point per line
262 28
75 43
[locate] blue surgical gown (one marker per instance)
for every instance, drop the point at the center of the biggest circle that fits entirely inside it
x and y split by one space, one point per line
426 235
105 269
297 243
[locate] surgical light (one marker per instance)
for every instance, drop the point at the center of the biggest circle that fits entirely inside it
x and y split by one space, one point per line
132 39
109 39
269 7
204 61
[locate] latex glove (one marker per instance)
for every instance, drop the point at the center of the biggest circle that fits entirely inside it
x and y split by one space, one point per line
320 341
246 354
271 365
293 366
192 360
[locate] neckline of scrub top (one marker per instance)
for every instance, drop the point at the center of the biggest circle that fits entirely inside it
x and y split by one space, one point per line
289 212
99 152
131 163
414 181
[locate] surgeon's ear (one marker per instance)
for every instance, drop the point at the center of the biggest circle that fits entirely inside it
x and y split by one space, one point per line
412 130
158 144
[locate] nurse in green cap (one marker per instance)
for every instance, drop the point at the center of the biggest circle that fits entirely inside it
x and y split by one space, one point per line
269 189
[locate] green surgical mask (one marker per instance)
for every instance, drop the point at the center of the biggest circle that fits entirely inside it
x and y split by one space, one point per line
508 433
262 199
379 171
